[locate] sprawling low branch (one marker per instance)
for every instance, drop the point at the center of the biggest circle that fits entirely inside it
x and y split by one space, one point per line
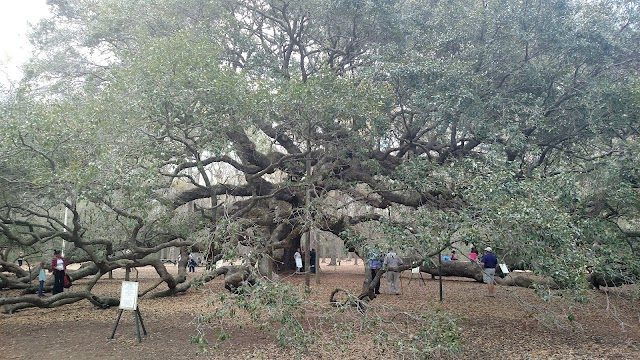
14 304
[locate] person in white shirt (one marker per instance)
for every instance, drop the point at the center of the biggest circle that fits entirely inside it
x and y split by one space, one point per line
59 267
391 263
298 258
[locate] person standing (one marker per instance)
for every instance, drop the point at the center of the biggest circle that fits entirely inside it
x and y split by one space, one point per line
489 262
391 263
375 264
473 255
59 268
42 277
192 263
312 261
298 259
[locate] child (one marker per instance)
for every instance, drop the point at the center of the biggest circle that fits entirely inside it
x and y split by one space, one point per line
42 277
473 255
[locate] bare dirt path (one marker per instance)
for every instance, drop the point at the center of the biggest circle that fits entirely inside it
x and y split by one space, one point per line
515 324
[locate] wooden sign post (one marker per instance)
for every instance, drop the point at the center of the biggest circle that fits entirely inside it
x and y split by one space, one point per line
129 301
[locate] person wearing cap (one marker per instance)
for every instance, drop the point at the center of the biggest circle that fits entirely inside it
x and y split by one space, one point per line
489 262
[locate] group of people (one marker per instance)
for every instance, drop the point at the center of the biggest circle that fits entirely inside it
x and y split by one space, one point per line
488 262
59 270
451 257
473 255
191 264
298 257
390 262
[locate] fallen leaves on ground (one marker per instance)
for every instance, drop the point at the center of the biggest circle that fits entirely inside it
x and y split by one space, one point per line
516 324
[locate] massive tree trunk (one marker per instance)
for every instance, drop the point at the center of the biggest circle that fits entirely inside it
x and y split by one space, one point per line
597 280
466 269
471 270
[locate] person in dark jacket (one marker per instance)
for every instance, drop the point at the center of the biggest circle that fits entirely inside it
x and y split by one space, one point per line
312 261
489 262
192 263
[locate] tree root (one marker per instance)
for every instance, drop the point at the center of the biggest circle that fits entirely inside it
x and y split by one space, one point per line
234 275
360 302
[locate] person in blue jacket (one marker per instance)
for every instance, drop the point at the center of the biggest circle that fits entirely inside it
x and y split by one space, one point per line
375 264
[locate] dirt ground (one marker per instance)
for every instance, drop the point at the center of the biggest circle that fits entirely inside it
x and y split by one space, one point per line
516 324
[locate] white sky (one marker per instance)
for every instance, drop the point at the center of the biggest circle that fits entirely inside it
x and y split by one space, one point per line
15 16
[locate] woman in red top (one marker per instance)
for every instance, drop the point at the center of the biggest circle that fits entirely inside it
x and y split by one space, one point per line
59 268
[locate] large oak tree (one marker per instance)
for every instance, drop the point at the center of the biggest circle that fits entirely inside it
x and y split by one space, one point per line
212 124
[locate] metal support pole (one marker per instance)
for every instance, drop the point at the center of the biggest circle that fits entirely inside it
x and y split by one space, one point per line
440 273
144 330
116 325
135 314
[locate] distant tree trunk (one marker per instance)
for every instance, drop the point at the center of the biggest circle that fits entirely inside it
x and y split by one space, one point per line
306 264
182 264
367 279
334 254
270 265
314 238
264 264
307 242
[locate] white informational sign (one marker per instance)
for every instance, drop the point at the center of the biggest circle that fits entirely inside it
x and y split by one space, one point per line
504 268
415 270
129 295
219 264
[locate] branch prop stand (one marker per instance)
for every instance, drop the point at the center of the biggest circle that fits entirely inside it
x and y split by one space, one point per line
440 273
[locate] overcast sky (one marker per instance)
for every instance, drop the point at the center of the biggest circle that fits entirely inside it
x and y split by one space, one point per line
15 16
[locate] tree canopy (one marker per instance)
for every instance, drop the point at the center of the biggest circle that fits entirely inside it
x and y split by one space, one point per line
212 123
